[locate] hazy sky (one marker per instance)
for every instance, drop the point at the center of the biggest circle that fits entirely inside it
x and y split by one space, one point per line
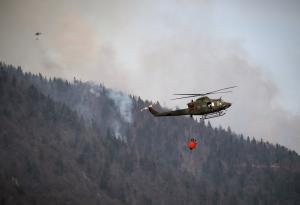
156 48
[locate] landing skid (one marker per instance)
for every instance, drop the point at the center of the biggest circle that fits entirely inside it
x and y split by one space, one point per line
213 115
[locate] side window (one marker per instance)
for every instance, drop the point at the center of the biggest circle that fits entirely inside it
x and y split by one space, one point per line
209 104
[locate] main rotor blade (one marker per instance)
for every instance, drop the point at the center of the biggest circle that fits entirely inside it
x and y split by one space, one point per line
191 96
185 97
220 92
194 94
222 89
215 91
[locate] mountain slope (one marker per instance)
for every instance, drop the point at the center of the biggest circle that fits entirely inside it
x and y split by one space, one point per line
81 143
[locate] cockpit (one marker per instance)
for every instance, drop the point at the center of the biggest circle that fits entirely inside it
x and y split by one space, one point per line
215 103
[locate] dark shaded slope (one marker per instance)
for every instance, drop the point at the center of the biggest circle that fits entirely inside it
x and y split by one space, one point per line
51 154
42 144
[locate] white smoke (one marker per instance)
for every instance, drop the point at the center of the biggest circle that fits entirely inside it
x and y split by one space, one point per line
117 131
123 102
94 92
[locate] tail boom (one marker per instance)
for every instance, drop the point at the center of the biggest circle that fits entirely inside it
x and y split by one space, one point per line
169 113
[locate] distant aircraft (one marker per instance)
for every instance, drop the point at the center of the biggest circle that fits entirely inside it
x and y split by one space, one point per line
37 34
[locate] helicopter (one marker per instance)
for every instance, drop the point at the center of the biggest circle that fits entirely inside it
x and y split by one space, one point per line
204 106
37 34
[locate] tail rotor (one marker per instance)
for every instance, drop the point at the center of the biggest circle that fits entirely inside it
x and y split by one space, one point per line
146 108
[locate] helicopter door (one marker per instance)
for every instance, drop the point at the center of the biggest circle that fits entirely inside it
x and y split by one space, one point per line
209 105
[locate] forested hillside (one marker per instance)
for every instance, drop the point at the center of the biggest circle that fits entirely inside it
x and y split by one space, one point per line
81 143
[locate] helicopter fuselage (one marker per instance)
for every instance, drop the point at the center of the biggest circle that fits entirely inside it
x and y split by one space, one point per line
201 106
